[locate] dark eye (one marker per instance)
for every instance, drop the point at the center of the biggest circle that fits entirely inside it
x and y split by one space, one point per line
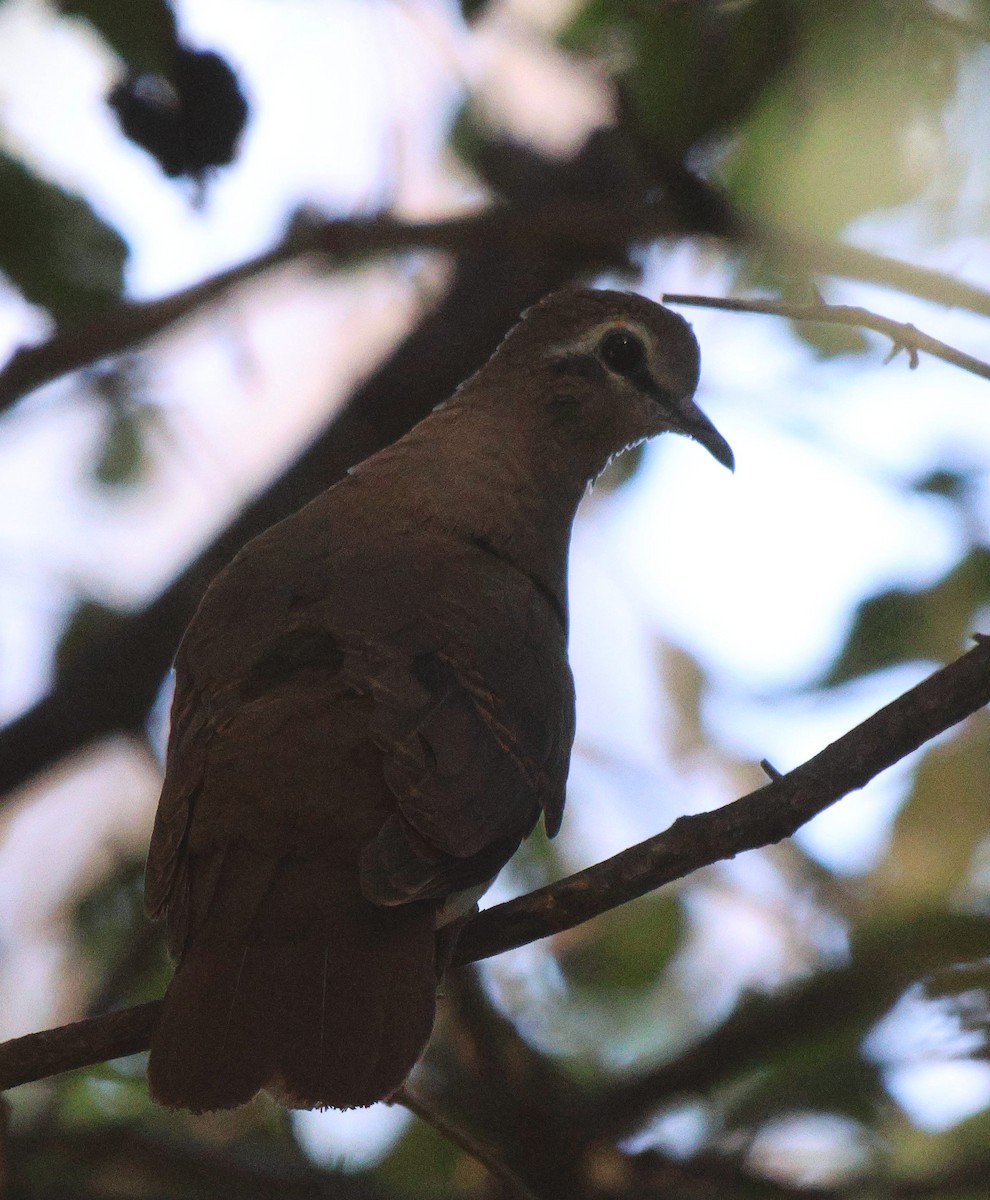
622 351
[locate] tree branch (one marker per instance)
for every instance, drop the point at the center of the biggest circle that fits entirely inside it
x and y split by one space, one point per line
824 1005
759 819
561 226
488 1157
556 226
904 336
763 817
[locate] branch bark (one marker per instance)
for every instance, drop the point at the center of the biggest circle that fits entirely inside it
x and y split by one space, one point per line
761 818
904 336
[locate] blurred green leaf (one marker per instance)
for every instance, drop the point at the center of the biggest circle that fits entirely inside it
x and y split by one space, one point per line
855 124
123 459
123 455
940 826
899 626
953 485
762 270
142 32
627 950
819 1076
472 9
686 69
125 951
54 248
421 1164
620 470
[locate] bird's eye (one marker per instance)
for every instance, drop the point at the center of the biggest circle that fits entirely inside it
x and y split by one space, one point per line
622 351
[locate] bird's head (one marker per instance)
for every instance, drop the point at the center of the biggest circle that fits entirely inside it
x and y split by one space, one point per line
608 369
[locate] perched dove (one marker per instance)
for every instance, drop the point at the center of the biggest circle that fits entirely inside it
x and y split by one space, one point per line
373 707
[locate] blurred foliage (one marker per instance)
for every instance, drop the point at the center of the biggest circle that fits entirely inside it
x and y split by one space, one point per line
189 118
54 248
931 625
125 953
88 621
863 93
472 9
625 951
142 32
808 116
421 1164
688 71
123 457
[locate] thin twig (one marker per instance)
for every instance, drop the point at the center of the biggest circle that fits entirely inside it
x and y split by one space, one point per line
479 1151
904 336
759 819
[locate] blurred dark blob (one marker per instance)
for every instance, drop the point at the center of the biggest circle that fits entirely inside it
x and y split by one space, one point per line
190 122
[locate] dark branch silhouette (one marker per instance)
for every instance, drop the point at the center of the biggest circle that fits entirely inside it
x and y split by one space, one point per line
761 818
571 227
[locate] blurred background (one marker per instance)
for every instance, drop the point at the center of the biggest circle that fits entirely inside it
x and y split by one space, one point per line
805 1021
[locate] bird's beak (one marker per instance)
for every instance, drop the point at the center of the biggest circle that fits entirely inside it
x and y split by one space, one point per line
691 421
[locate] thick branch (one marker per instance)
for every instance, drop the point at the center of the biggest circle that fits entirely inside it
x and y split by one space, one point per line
759 819
904 336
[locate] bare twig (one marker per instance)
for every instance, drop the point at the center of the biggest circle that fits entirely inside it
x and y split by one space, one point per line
768 769
763 817
904 336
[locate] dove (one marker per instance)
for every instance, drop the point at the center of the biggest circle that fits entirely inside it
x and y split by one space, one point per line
373 708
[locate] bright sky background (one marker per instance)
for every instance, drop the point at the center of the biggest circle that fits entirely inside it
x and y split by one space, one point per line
756 573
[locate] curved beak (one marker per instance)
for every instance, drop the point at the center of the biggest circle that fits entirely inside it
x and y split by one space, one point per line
687 418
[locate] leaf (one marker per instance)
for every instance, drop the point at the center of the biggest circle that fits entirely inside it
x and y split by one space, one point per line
762 269
939 828
688 69
126 953
122 460
953 485
422 1163
855 123
54 248
123 456
472 9
142 32
620 470
191 119
628 950
898 625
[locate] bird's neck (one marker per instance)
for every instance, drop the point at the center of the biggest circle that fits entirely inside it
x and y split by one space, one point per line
472 474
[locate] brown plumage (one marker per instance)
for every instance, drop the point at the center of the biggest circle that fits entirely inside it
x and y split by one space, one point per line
373 708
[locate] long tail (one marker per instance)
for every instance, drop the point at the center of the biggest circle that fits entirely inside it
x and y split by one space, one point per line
326 1008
